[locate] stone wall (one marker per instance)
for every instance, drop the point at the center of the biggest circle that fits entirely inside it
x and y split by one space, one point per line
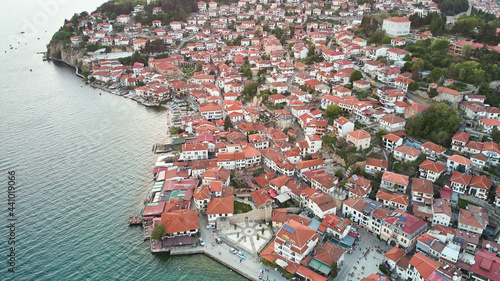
252 216
339 160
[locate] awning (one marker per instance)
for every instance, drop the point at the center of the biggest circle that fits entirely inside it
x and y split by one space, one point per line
158 186
283 197
281 263
272 193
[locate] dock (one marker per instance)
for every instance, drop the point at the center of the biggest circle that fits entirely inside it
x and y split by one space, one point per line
135 220
162 148
44 55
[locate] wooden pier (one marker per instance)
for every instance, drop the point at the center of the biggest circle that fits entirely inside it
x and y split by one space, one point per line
162 148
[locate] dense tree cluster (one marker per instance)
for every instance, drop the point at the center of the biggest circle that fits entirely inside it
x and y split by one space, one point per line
370 28
487 17
452 7
435 21
117 7
136 57
249 91
434 58
154 46
477 29
437 124
173 10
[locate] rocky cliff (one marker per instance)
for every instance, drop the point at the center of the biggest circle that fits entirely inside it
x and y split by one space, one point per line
68 53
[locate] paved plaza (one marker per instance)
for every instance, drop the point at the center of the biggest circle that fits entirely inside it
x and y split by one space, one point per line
365 258
248 235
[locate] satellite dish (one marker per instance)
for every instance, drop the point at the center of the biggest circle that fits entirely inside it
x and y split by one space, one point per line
472 262
488 246
495 249
455 278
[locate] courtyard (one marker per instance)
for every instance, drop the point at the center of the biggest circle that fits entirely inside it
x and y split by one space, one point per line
250 236
367 255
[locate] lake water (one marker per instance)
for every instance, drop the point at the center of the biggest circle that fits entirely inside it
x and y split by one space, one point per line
83 164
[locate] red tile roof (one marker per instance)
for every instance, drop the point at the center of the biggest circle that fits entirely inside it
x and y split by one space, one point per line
396 178
460 178
432 166
180 221
298 238
408 150
221 205
434 147
377 162
359 134
410 225
421 185
392 119
487 264
398 19
460 159
474 216
261 197
461 136
424 265
481 182
323 201
395 254
392 197
392 137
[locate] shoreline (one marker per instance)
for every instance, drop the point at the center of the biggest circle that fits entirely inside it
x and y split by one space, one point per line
215 258
118 93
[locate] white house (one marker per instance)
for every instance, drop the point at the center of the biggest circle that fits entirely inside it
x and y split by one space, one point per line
194 151
342 126
220 207
396 26
441 212
321 204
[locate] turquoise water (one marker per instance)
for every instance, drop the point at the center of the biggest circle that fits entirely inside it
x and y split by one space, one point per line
83 164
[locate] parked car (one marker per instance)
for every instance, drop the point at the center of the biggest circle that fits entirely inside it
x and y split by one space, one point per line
210 226
241 255
233 251
218 241
202 243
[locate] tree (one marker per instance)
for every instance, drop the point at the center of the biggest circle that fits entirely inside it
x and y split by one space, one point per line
495 136
333 111
227 123
358 170
467 51
155 46
158 232
334 271
413 86
386 40
356 75
249 91
437 25
339 174
436 74
440 45
416 68
437 124
379 136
